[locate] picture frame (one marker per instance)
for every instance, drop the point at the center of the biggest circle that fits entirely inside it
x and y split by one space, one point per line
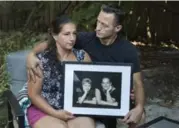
97 89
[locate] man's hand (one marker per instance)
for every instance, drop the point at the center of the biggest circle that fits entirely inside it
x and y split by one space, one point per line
134 116
33 67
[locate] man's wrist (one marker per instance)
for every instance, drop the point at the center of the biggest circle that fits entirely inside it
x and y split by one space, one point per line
140 107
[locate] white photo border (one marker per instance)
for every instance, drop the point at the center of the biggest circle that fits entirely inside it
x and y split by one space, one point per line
126 83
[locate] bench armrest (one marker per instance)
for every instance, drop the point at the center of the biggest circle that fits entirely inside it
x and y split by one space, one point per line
14 109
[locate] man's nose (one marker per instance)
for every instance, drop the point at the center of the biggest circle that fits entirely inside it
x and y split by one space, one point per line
98 27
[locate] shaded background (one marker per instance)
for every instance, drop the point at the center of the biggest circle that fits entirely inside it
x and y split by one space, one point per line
147 20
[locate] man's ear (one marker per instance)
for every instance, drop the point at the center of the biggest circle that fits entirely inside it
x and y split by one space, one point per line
118 28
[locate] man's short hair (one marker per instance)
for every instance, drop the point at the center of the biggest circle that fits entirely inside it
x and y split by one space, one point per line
119 14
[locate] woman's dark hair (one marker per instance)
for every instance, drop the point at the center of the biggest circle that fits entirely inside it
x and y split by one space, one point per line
55 29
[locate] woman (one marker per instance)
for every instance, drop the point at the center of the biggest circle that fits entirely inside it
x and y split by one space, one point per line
46 94
86 94
107 94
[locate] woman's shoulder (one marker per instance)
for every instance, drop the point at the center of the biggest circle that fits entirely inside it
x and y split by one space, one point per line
81 55
43 57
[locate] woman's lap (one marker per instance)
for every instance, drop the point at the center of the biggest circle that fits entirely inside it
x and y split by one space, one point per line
34 115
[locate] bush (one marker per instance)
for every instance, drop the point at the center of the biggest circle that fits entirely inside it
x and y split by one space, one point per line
14 41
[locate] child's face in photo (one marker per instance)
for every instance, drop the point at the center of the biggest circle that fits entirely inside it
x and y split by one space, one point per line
86 86
106 84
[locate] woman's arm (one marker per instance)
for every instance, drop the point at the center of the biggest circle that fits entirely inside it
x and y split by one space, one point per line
34 93
102 102
93 101
82 98
109 98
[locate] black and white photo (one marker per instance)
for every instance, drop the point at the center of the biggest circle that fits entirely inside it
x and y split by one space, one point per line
84 93
97 89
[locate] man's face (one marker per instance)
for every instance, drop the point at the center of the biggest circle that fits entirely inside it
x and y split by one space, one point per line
106 84
106 25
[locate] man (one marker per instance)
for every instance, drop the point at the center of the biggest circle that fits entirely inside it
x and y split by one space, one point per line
106 94
107 45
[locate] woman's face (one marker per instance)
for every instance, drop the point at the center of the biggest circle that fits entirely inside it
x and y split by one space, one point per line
106 84
86 86
67 36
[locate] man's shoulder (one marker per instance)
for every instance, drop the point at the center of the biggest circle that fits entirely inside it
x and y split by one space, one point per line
128 46
84 38
86 35
82 33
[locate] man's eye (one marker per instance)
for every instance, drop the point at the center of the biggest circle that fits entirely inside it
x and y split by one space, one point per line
104 25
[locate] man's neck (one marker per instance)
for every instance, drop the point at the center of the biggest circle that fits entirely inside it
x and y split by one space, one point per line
108 41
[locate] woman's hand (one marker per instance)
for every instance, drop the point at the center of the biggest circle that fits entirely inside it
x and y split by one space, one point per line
64 115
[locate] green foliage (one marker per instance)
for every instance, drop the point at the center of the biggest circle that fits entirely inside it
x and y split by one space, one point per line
86 15
10 42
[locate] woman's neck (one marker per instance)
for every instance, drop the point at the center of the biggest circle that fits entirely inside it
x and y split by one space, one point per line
62 54
108 41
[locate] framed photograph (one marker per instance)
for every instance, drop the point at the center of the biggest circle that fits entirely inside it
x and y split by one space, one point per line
97 89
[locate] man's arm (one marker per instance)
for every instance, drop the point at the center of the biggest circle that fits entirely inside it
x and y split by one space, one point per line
33 62
135 114
138 90
40 47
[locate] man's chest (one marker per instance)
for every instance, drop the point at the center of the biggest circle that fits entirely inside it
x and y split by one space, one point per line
105 54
